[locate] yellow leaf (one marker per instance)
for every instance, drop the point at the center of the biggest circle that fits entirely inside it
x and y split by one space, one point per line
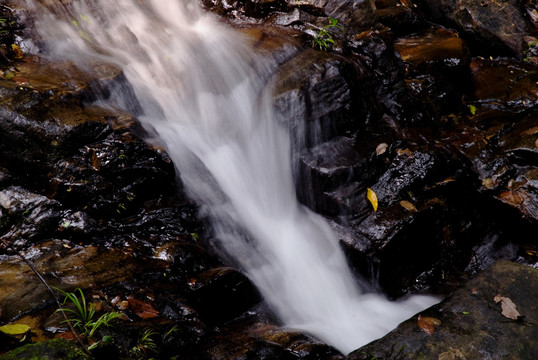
472 109
372 197
17 329
17 51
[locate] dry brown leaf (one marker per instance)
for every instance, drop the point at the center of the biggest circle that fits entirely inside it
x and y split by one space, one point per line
381 148
142 309
408 206
530 131
509 309
428 324
406 151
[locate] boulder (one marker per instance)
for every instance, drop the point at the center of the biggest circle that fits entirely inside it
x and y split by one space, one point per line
493 27
492 316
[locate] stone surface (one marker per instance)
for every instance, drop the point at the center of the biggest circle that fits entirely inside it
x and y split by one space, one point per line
471 323
494 27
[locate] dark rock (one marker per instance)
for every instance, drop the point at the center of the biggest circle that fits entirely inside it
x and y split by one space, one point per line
247 348
29 216
317 92
221 294
301 345
471 323
505 84
437 69
261 8
493 27
323 168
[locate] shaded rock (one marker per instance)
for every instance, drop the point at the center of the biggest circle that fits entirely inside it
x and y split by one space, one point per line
301 344
260 8
328 166
400 17
436 69
27 216
247 348
493 27
317 92
222 294
436 44
57 349
472 325
505 85
189 260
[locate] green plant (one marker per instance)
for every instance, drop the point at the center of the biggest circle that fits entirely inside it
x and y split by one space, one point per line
145 344
323 39
84 314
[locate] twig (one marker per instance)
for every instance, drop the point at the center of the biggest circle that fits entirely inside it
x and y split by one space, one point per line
8 246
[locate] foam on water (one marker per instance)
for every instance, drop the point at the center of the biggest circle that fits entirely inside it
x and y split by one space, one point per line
200 94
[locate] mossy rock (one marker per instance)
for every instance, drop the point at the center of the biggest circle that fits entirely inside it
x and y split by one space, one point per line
57 349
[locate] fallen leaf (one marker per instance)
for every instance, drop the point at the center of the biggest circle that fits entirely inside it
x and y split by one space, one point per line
65 335
363 34
531 131
381 148
372 197
142 309
472 109
408 206
406 151
15 329
512 197
122 305
17 51
488 183
428 324
509 309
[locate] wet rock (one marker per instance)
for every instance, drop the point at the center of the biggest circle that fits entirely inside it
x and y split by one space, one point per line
301 345
436 69
27 216
222 294
493 27
400 17
471 322
505 84
415 220
260 8
316 91
323 168
57 349
247 348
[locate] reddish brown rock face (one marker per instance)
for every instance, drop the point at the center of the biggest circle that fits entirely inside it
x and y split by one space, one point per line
434 45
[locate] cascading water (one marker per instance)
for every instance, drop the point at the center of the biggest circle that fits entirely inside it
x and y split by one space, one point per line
199 92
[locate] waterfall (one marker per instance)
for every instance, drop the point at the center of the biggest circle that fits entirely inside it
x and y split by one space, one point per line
195 80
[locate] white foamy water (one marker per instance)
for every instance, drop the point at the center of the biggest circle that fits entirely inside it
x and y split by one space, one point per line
199 92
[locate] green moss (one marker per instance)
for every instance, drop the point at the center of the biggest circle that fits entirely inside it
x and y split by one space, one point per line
57 349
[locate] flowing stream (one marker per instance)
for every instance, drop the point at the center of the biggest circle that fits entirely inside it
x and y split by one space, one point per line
200 94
